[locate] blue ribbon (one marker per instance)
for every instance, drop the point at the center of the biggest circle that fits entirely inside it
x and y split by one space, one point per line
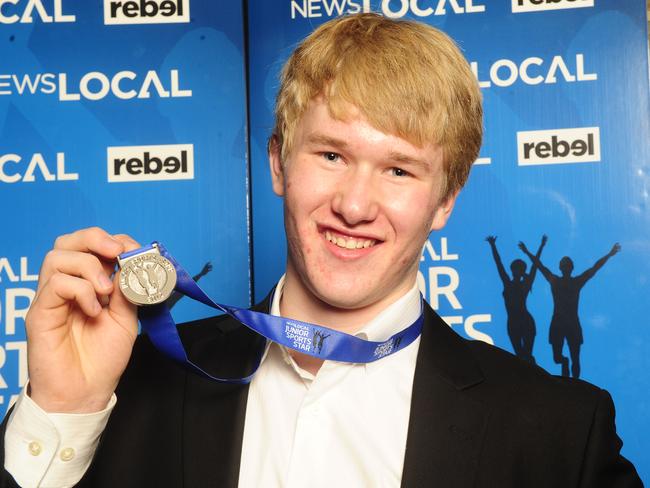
314 340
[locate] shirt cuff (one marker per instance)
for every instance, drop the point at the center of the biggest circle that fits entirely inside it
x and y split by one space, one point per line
51 449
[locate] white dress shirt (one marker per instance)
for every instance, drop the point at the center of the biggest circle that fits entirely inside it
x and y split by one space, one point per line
344 426
51 450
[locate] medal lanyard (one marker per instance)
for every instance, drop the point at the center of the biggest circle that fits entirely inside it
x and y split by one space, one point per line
150 274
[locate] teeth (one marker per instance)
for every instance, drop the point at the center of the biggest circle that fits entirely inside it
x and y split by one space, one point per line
349 242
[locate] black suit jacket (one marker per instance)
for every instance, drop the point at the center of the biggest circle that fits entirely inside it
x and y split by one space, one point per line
479 418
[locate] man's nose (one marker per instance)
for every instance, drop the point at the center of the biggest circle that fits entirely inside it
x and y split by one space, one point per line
355 198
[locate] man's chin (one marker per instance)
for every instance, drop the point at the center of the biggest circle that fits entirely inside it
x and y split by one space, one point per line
348 298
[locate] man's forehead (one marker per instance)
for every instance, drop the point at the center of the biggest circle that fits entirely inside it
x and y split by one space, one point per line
323 115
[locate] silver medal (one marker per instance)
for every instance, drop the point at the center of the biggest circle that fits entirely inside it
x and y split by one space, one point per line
147 278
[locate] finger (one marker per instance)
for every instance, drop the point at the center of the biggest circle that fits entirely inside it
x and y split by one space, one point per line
92 239
108 265
127 241
62 289
79 264
119 305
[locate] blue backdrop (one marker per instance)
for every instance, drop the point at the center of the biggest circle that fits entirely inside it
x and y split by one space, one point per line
163 85
137 121
582 67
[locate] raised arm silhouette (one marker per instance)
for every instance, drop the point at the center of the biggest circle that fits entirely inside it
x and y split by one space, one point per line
565 323
521 325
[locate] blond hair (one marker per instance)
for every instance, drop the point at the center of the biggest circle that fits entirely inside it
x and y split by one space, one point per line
406 78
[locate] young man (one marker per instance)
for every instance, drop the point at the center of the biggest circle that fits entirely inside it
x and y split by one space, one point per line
377 124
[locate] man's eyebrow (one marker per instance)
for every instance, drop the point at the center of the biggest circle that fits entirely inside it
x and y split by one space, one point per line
401 158
394 156
315 138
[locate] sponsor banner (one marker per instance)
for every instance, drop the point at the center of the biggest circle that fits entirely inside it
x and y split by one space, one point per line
559 146
118 12
95 85
539 5
565 155
396 9
86 104
15 168
150 163
86 107
31 11
535 70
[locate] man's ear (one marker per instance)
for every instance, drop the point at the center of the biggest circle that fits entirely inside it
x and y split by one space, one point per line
443 212
275 165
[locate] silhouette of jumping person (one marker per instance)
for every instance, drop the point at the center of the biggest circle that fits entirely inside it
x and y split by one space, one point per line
521 325
175 296
319 340
565 323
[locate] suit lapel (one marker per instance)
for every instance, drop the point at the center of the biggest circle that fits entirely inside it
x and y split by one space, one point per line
214 413
445 430
446 426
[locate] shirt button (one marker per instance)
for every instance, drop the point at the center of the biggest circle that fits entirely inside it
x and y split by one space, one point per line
34 448
66 454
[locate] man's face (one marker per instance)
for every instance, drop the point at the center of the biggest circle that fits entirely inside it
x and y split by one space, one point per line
358 207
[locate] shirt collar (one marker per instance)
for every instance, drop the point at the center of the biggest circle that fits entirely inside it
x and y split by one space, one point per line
397 316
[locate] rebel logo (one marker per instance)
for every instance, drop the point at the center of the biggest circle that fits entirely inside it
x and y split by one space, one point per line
120 12
537 5
558 146
150 163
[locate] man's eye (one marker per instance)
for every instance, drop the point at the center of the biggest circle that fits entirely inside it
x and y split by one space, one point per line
399 172
331 157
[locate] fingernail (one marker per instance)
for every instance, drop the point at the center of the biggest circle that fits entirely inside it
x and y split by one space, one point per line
104 281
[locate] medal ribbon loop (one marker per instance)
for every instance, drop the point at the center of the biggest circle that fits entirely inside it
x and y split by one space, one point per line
314 340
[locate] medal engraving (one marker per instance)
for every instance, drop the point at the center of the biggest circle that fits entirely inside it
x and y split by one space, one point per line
147 279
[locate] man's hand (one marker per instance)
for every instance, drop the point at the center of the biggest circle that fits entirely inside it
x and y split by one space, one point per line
615 249
80 328
491 239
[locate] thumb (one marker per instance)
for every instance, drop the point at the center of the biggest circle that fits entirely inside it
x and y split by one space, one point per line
119 306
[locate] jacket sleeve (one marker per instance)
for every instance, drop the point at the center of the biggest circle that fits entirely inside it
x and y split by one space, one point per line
603 465
6 480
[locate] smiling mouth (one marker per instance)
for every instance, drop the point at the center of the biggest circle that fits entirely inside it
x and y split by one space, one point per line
347 242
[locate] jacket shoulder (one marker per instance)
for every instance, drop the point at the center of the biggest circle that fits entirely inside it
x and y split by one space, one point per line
553 418
507 373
